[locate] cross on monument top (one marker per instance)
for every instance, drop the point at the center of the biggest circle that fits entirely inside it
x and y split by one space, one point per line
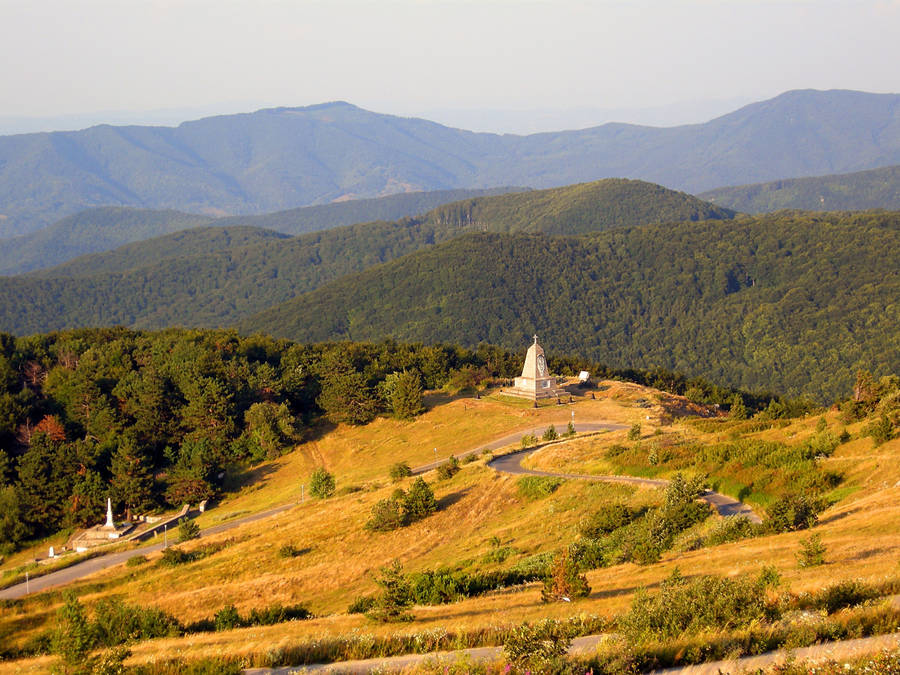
535 338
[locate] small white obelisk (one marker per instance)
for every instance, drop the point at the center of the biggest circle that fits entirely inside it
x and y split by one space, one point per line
109 518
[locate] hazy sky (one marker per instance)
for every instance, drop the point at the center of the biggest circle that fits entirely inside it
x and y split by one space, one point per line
62 57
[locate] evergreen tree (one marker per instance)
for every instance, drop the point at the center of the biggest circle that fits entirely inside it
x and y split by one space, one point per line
394 599
347 397
73 638
46 474
321 483
88 501
406 395
738 410
12 526
131 485
419 502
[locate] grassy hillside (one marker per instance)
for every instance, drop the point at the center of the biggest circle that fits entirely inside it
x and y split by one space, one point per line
178 284
485 523
93 230
875 189
288 157
793 302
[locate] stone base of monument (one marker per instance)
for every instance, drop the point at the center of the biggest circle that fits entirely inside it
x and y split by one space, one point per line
100 534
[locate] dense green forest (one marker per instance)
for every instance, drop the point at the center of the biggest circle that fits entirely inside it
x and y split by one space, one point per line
92 230
796 302
875 189
288 157
159 419
103 229
188 285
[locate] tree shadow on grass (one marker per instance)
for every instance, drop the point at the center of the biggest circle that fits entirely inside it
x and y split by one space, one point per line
449 500
251 476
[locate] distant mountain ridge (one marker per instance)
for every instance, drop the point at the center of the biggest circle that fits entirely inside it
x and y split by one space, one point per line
105 228
179 280
287 157
860 191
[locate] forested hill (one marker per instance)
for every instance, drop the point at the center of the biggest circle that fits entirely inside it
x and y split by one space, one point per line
103 229
99 229
794 302
185 286
860 191
288 157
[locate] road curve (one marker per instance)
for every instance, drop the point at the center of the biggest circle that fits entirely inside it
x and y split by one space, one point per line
724 505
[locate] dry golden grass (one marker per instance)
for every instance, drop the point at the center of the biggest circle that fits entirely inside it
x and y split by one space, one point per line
861 532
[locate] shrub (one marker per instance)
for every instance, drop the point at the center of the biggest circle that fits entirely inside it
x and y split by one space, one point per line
535 566
634 434
570 429
419 501
361 605
812 552
174 556
392 603
529 440
321 483
606 520
693 605
273 614
733 528
289 551
737 411
539 647
565 582
136 561
73 637
616 449
448 469
227 618
187 530
538 487
116 623
844 594
793 512
399 471
550 434
881 430
387 515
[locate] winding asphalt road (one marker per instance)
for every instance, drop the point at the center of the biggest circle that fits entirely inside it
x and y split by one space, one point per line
511 463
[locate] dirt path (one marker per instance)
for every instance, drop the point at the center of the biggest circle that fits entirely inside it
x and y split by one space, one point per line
837 651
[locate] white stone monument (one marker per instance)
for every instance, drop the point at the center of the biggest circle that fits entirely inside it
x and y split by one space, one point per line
535 381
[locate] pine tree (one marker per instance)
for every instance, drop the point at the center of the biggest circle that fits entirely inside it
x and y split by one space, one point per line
738 410
73 637
419 502
132 477
406 395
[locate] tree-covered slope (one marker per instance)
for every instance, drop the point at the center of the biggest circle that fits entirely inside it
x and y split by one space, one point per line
198 241
792 302
860 191
288 157
180 284
99 229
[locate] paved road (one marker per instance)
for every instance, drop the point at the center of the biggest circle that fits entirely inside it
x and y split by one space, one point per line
87 567
725 505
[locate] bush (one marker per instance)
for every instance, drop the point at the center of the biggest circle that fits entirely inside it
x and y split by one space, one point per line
812 552
793 512
538 487
387 515
847 593
538 648
289 551
529 440
187 530
607 520
419 502
550 434
273 614
399 471
565 582
361 605
227 618
321 483
136 561
733 528
881 430
174 556
634 434
116 623
570 430
74 636
448 469
692 605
